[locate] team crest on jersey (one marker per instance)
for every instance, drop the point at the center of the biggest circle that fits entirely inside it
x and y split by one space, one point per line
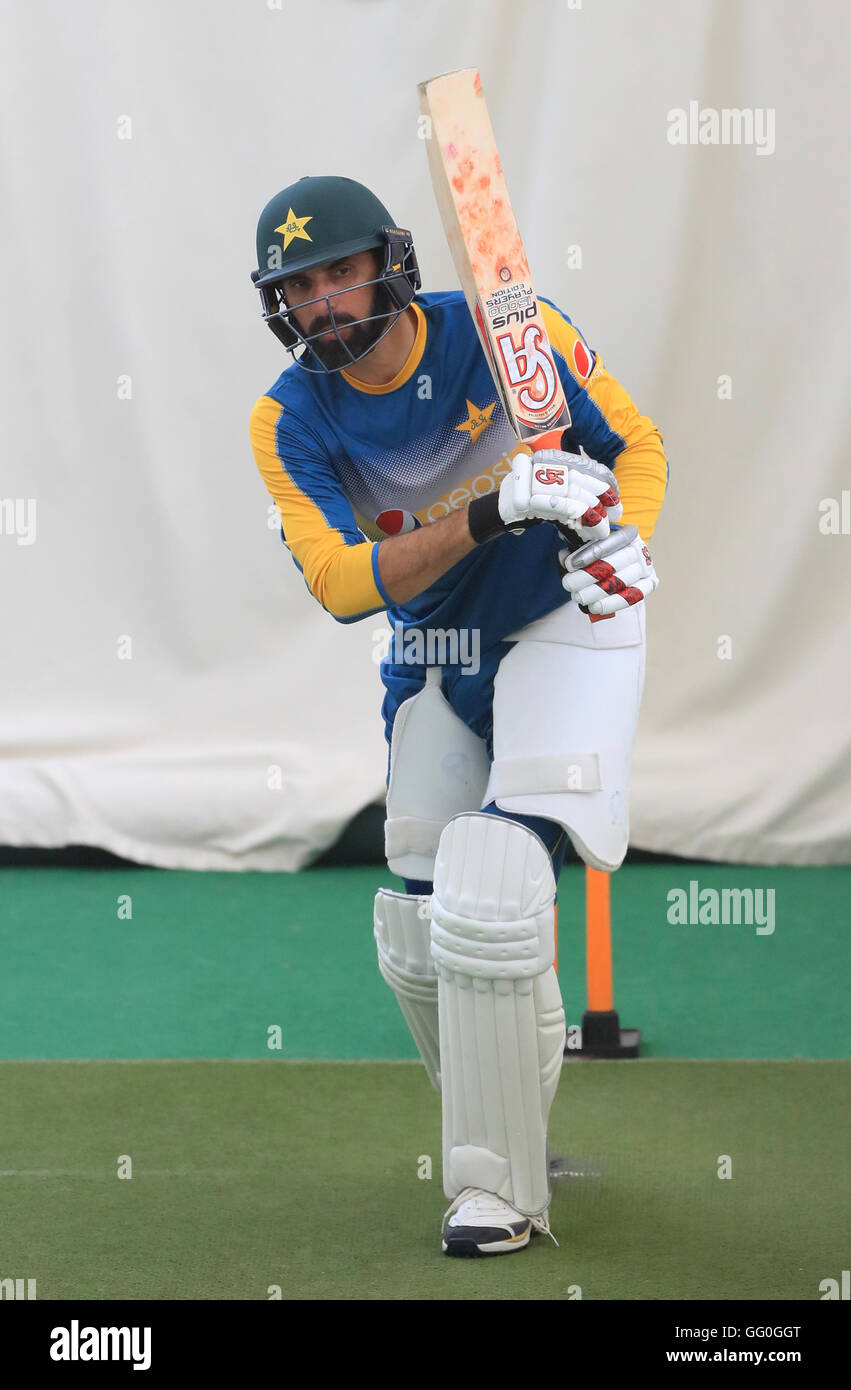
294 227
582 360
478 419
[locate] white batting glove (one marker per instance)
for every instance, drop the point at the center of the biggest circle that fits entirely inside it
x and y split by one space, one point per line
611 574
608 499
566 489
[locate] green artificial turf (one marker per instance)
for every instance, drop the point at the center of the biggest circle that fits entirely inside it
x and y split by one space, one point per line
208 963
305 1176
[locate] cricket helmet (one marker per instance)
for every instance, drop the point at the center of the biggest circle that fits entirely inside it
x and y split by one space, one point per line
319 220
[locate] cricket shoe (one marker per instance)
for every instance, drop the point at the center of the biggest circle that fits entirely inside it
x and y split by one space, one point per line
479 1223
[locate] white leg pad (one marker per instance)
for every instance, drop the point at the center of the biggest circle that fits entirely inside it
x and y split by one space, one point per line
404 959
501 1016
565 711
438 768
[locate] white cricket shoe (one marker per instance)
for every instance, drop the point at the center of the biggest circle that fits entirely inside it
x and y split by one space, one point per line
479 1223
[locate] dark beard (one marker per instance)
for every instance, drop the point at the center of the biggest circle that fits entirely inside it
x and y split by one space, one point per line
334 353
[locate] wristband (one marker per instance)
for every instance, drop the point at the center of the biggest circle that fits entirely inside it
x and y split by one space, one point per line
485 522
483 518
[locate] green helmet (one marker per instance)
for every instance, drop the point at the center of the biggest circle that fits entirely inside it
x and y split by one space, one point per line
317 220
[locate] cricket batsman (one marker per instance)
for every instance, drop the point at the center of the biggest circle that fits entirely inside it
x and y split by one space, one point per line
402 490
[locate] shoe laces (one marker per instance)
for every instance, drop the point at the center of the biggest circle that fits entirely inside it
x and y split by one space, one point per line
542 1224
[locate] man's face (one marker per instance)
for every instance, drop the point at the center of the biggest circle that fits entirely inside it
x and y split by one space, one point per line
335 278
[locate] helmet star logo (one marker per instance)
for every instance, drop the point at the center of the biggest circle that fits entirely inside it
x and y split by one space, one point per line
478 419
294 227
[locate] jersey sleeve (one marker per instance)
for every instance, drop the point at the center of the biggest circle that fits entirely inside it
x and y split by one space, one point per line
318 525
608 425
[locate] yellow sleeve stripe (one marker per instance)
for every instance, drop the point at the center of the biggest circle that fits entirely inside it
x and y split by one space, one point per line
641 466
340 576
642 478
562 336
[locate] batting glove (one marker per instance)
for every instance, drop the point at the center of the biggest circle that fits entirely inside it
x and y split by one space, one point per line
551 485
606 576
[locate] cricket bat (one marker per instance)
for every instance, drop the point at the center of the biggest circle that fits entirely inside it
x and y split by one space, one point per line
488 252
487 249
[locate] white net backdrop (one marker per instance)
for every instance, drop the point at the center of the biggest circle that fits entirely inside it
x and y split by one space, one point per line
161 657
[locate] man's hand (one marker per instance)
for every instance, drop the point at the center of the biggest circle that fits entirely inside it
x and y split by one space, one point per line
611 574
566 489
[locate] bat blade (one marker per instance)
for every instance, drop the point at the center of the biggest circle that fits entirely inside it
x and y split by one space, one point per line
488 252
490 260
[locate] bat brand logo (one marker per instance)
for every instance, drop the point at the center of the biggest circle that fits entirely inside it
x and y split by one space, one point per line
530 367
511 304
516 316
549 475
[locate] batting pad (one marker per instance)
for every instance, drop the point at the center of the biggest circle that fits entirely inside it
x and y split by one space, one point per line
500 1010
438 768
404 959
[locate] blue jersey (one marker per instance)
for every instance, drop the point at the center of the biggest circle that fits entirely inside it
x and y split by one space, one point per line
348 464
